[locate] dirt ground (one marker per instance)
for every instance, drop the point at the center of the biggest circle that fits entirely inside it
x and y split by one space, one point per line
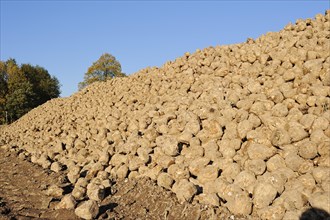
22 190
23 186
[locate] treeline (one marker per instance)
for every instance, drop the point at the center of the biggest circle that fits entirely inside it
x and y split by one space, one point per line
24 87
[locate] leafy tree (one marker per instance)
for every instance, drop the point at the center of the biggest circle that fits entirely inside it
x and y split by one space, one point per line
19 94
18 101
106 67
23 88
45 87
3 90
3 81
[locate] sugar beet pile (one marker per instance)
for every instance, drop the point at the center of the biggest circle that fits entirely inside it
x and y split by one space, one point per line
243 126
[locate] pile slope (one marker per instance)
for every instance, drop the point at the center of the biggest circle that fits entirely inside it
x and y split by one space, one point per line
243 126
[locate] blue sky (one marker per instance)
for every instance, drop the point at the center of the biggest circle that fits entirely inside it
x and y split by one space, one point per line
66 37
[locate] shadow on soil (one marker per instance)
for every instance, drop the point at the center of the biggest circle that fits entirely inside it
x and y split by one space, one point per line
107 208
315 214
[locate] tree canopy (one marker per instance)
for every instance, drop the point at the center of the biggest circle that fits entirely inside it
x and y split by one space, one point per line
106 67
23 88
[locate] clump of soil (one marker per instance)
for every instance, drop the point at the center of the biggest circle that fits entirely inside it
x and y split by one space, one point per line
241 129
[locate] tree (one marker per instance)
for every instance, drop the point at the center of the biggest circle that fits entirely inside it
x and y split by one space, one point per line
23 88
106 67
3 91
19 91
18 101
45 87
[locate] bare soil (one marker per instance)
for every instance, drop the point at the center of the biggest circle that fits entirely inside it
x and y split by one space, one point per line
22 190
22 196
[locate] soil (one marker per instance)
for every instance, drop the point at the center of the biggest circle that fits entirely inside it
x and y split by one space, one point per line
22 190
23 186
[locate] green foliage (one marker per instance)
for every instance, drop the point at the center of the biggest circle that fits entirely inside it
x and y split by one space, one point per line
23 88
106 67
18 101
44 86
3 81
3 90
